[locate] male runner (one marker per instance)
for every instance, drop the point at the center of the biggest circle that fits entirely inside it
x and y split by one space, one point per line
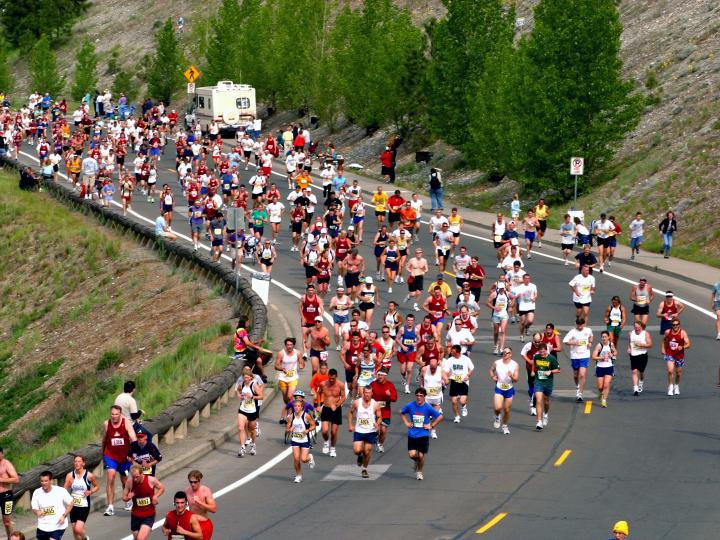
545 368
201 501
180 521
459 368
385 393
420 418
416 269
505 373
673 346
144 491
580 341
119 433
365 429
8 477
333 393
319 338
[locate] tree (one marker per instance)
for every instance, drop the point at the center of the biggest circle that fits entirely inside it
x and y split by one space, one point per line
85 70
574 101
43 69
222 57
7 80
125 83
166 67
24 21
460 43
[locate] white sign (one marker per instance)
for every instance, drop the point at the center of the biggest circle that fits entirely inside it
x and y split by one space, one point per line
577 166
191 88
261 285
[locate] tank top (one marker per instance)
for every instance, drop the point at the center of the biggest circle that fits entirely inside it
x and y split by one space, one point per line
367 295
310 309
425 334
323 268
429 354
367 371
501 305
408 338
432 382
382 239
642 296
342 247
615 316
437 307
312 257
606 355
266 254
636 338
353 353
391 255
391 320
116 442
77 490
454 222
248 403
550 341
342 305
289 367
674 345
298 431
142 499
498 230
669 311
387 347
365 417
173 520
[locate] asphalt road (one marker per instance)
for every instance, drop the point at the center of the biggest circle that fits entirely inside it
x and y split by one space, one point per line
652 460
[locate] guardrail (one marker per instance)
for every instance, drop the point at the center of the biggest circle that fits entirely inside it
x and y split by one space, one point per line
195 403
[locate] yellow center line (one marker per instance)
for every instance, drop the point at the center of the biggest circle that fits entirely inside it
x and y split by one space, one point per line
562 458
490 524
588 407
448 273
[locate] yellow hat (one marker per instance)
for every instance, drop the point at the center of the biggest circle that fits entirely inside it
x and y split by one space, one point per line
621 527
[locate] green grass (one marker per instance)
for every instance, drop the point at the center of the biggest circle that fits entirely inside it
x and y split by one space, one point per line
77 419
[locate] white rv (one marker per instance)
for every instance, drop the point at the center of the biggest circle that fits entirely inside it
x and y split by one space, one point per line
231 105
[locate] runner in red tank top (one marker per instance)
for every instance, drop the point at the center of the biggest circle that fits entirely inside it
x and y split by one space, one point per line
181 520
674 343
351 355
428 351
119 433
551 339
310 307
436 306
144 492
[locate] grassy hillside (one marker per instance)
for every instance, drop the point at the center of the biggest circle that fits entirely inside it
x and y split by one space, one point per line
81 309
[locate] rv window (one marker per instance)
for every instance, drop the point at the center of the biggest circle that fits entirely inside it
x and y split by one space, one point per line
242 103
209 103
201 102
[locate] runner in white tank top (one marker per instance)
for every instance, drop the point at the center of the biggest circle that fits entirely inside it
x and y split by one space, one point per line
434 378
365 427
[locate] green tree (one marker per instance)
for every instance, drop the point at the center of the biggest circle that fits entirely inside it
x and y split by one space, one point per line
574 101
7 80
125 83
222 57
85 70
460 43
166 67
43 69
24 21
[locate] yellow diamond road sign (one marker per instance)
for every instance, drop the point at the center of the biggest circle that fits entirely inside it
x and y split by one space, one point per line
192 73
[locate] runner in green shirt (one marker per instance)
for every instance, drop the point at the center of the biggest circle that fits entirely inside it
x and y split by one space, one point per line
544 369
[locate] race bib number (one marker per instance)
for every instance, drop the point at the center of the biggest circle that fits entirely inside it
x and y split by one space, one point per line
674 345
298 435
433 391
504 386
217 232
177 537
582 343
117 441
438 314
147 470
457 378
143 501
8 508
382 404
248 403
408 341
323 356
78 500
48 511
290 373
418 420
364 422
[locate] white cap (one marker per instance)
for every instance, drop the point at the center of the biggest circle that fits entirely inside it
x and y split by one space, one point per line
323 231
368 279
351 228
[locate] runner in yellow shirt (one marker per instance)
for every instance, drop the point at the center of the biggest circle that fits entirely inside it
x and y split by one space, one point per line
542 211
379 201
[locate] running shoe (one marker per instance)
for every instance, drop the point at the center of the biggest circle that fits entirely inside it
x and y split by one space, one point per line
670 390
257 429
364 474
544 419
253 449
522 338
241 453
402 279
603 403
380 448
109 511
539 426
128 506
433 434
496 349
641 383
457 420
676 389
298 479
333 453
337 347
464 411
419 475
533 411
416 307
505 430
407 297
407 388
496 422
326 447
311 461
389 289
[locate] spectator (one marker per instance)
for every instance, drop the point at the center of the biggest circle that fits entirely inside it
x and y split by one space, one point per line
126 401
668 227
436 189
387 162
162 229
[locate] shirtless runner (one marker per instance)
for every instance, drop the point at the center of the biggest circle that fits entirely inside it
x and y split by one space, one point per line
416 269
319 338
201 502
333 392
354 265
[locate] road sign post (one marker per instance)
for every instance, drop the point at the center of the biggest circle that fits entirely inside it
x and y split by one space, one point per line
577 168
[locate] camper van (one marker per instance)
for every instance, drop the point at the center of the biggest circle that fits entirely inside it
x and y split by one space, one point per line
231 105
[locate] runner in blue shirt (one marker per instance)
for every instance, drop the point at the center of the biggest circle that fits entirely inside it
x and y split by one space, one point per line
420 418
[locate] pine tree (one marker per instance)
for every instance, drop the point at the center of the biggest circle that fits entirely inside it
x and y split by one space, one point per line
7 80
125 83
574 101
166 68
222 57
85 70
43 69
24 21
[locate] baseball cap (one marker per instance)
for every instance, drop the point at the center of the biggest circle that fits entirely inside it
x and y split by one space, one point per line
440 276
318 318
323 231
368 279
621 527
351 228
500 285
140 432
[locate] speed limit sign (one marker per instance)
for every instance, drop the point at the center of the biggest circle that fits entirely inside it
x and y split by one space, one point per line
577 166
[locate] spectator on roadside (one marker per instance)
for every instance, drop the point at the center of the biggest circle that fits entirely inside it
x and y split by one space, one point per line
162 229
668 227
435 189
126 401
387 165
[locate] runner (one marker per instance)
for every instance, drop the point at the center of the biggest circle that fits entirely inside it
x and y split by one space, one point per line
530 226
201 501
604 355
144 492
642 296
436 307
276 211
143 452
434 379
615 319
249 392
475 275
498 302
528 353
526 294
459 368
180 521
392 319
287 363
673 346
379 201
391 257
310 307
583 288
668 310
496 233
602 231
416 269
119 433
365 369
461 263
568 236
333 395
52 506
639 342
8 477
380 243
637 226
545 368
542 211
218 236
443 242
340 306
580 341
365 429
354 266
369 297
505 373
384 393
300 426
420 418
456 225
407 341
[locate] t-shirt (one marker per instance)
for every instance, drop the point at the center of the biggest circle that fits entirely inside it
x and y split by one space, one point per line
545 364
586 260
583 337
458 369
52 504
526 294
584 285
127 403
160 225
636 228
419 416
